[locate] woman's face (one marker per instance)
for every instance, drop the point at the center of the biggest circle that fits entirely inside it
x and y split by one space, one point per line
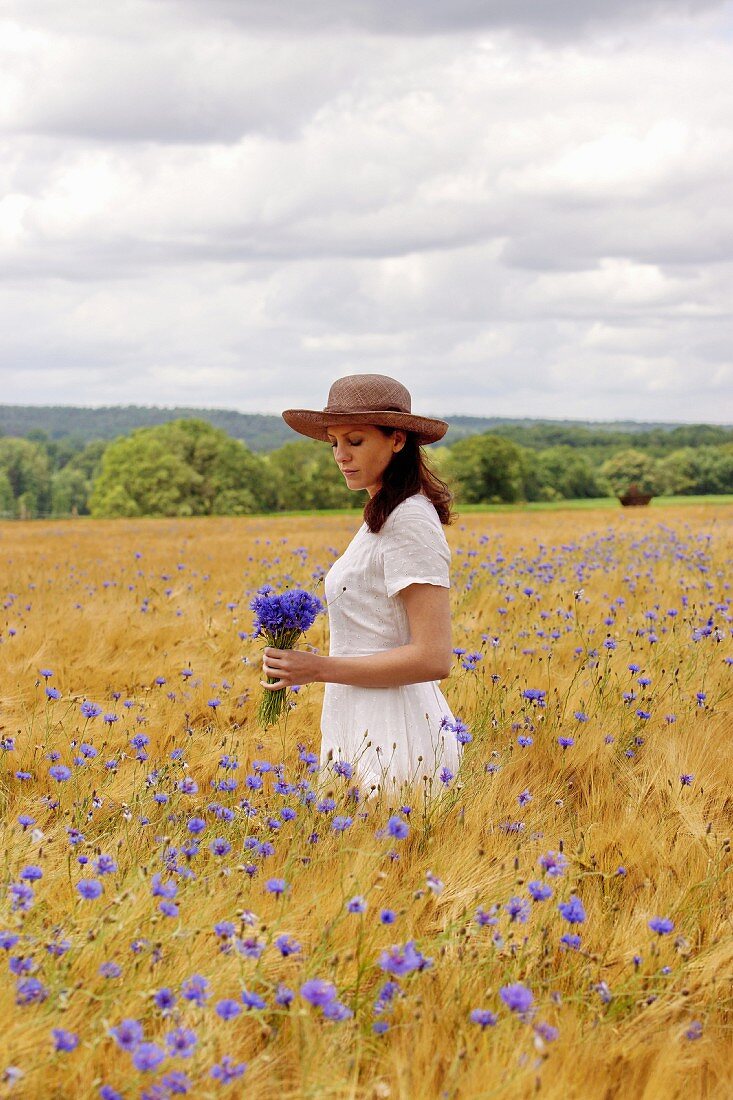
363 452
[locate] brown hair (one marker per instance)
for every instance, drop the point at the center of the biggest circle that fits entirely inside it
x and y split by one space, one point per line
407 473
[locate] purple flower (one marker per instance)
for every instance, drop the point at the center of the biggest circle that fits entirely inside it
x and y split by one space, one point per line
337 1011
554 863
252 1000
341 823
483 1017
181 1042
220 846
276 886
686 779
397 828
90 888
106 1092
90 710
357 904
387 916
60 773
30 990
402 960
318 992
110 969
64 1040
518 910
539 891
661 925
127 1034
571 940
572 910
516 997
227 1070
290 613
147 1057
228 1008
195 989
31 873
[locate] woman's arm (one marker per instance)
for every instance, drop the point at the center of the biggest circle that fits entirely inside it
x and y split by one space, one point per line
427 656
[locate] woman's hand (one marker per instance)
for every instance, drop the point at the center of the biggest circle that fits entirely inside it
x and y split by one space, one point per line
290 667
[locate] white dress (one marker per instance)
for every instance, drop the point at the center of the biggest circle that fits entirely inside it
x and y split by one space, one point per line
387 734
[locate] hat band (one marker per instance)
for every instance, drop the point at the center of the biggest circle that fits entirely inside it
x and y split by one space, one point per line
336 411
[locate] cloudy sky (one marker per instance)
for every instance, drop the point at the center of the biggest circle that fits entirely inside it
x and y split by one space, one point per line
518 207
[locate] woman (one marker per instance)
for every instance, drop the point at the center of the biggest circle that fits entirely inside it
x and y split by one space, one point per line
388 599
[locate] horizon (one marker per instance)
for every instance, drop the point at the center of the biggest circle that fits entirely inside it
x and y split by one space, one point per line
442 415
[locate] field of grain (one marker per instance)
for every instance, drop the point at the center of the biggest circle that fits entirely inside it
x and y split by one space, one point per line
188 908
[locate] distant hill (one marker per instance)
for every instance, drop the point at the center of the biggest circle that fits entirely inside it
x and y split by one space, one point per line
265 433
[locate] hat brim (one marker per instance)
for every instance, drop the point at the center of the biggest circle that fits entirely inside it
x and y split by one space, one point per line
314 423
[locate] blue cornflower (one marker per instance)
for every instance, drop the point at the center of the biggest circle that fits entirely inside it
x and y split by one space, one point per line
572 910
90 888
30 990
337 1011
181 1042
276 886
196 825
661 925
402 960
90 710
387 916
318 991
357 904
344 768
286 945
227 1070
554 863
64 1040
164 999
147 1057
105 865
566 742
253 1000
127 1034
341 823
228 1008
539 891
195 989
571 940
60 773
31 873
518 910
483 1017
686 779
53 693
516 997
110 969
220 846
283 995
397 828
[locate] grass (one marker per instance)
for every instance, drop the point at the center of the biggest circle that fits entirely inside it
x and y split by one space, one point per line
111 608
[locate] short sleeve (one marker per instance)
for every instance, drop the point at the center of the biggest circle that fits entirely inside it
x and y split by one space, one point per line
414 548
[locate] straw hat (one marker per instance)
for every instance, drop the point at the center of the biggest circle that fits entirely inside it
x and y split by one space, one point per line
366 399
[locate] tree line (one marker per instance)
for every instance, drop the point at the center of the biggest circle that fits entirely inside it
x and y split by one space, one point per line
189 467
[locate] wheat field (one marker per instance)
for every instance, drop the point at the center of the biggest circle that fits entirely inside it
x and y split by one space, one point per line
188 908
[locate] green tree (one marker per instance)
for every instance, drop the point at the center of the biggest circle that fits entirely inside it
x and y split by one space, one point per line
182 468
25 467
306 476
632 467
567 473
486 468
698 470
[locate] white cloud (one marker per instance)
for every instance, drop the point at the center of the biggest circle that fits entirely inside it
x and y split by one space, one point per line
199 205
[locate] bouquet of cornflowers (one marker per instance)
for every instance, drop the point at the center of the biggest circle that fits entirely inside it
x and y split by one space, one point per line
280 619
